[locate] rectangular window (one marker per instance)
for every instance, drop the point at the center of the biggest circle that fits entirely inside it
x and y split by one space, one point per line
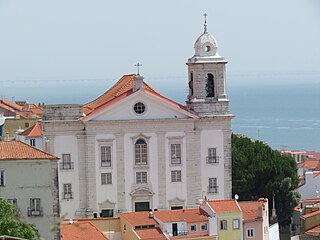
141 177
141 152
35 207
212 155
13 201
32 142
105 156
193 227
204 227
236 224
106 178
106 213
223 225
176 176
250 232
2 178
66 163
213 187
67 191
175 153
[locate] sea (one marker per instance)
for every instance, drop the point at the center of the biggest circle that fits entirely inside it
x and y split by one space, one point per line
281 114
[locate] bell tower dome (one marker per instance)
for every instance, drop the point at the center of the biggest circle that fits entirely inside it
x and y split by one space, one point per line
207 77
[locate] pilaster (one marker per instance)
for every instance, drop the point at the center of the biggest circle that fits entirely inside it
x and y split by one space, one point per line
121 196
162 170
193 167
82 166
227 164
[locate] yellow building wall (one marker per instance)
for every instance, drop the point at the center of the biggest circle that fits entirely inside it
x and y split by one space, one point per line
11 125
230 233
127 230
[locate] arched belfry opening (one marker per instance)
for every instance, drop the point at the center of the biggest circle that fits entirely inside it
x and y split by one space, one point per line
210 85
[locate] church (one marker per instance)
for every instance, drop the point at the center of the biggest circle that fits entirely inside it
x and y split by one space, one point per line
133 149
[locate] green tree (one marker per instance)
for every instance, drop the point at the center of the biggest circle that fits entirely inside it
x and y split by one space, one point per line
259 171
11 225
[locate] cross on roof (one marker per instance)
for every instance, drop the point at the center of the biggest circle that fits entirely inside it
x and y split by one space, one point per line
138 65
205 22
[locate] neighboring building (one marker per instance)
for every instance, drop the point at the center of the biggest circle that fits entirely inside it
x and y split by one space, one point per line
298 155
80 231
225 219
255 219
18 115
32 136
132 149
311 185
29 181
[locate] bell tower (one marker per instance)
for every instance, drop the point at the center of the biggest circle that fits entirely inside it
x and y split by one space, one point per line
207 78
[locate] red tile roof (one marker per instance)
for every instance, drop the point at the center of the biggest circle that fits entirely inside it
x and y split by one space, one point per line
32 132
19 110
16 150
81 231
311 214
310 200
250 210
138 218
313 154
184 215
221 206
310 163
314 231
150 234
120 90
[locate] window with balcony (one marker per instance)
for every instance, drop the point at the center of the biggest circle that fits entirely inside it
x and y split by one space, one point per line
67 191
175 153
106 178
176 176
223 225
35 207
213 187
141 152
105 156
141 177
212 156
66 163
2 178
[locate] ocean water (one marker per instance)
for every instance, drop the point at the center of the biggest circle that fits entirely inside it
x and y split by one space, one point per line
285 116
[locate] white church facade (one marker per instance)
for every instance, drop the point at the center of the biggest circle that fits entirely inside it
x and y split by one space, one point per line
133 149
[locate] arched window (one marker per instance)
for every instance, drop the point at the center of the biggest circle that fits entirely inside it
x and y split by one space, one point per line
191 84
141 152
210 85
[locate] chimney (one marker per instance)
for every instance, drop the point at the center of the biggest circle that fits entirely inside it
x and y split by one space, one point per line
150 214
137 82
260 212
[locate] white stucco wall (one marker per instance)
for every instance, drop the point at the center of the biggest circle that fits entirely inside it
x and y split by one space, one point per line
212 139
310 187
68 145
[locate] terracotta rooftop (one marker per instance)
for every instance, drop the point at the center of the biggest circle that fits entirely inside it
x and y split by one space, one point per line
310 200
314 231
310 214
19 110
183 215
33 131
138 218
310 163
80 231
121 89
16 150
313 154
250 210
150 234
221 206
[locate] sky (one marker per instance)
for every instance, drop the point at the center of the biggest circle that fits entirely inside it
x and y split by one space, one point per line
100 40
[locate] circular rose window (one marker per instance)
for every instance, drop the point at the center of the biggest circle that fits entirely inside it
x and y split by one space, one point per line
139 108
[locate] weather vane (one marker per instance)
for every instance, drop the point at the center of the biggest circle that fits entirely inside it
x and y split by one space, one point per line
138 65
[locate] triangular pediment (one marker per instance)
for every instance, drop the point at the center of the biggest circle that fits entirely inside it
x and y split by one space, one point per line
140 105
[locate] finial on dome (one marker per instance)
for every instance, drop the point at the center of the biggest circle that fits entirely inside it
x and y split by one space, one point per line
205 23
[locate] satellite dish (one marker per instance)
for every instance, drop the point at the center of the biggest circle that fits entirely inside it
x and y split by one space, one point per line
2 119
236 197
